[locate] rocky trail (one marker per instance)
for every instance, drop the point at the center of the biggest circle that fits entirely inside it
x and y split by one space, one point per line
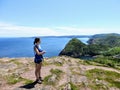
72 71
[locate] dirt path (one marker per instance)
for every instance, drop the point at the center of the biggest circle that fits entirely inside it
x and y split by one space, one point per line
46 71
88 67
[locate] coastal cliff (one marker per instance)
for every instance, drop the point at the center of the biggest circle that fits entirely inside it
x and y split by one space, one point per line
59 73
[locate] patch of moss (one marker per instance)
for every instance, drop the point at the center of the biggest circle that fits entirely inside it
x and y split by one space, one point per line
46 82
102 75
98 87
56 72
58 64
74 87
45 63
27 81
16 62
113 82
88 62
85 62
108 62
13 79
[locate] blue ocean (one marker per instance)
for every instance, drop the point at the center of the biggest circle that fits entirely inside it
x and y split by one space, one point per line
23 47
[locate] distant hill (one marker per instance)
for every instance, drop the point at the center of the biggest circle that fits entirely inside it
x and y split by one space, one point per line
74 48
110 40
69 36
104 35
100 44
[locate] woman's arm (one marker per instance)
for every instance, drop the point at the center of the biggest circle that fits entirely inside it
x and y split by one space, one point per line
38 53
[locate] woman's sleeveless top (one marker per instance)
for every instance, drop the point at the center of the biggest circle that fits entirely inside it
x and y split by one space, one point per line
38 57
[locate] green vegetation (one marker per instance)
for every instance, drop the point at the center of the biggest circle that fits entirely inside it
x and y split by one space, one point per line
58 64
56 72
16 62
96 49
27 81
112 51
13 79
105 44
48 81
101 79
108 62
89 62
111 40
45 63
106 49
74 48
74 87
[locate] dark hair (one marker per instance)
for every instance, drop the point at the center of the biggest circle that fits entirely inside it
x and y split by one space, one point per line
36 40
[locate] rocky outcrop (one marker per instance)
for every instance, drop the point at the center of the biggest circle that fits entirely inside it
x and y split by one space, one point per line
71 74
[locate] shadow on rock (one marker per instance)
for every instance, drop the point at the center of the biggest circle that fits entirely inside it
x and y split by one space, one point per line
29 86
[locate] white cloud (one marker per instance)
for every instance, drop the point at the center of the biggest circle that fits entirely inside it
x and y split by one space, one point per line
10 30
87 31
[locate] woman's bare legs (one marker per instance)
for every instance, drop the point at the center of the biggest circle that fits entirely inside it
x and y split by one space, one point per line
38 70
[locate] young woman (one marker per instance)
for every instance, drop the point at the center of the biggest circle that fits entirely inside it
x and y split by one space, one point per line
38 59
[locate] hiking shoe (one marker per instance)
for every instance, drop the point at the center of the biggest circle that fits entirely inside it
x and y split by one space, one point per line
39 81
40 78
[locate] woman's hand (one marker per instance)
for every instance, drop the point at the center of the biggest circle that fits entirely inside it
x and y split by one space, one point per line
43 52
39 53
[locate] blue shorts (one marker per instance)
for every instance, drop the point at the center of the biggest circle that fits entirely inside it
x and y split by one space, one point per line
38 60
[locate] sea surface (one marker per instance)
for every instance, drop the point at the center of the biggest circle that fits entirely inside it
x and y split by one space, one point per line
23 47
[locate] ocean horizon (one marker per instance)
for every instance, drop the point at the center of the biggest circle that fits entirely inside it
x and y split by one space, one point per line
23 47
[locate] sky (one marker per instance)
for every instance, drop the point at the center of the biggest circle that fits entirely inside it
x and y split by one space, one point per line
26 18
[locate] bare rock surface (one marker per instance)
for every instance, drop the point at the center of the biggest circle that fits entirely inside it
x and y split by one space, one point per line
73 74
